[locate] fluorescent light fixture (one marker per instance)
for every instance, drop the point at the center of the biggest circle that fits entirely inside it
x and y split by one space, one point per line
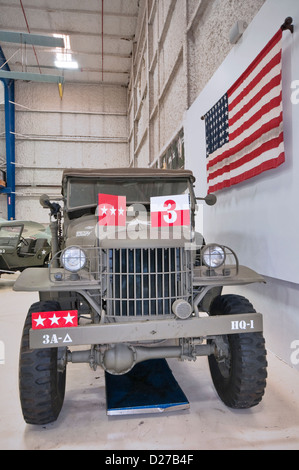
66 64
64 58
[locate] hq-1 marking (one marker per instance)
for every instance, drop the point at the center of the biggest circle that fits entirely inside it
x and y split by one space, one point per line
242 325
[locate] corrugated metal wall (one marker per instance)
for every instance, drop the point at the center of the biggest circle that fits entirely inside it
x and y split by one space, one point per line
87 128
180 45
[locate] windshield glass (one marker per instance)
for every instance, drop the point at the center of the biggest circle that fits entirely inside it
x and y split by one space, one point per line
84 192
10 234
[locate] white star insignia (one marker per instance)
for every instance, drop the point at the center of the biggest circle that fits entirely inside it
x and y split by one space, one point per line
121 211
54 319
69 318
104 210
113 211
39 321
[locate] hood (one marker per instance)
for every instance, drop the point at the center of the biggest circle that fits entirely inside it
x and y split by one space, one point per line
137 233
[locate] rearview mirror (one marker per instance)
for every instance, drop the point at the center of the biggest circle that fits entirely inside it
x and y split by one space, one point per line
210 199
44 201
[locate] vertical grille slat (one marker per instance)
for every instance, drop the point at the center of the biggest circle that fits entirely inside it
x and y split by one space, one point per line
144 281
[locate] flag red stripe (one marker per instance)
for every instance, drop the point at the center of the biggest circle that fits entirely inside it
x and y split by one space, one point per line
264 91
274 103
268 67
268 126
271 144
276 38
268 165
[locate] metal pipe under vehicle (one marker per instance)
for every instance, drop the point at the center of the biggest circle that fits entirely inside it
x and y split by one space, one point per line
121 358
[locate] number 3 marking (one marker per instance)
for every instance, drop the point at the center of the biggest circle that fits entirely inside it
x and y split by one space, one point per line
171 216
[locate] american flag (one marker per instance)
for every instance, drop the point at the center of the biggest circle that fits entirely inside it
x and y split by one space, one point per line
244 134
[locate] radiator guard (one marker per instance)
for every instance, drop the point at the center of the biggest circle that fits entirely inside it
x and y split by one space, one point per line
144 281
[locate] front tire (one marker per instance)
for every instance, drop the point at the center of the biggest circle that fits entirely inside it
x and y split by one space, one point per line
238 367
41 379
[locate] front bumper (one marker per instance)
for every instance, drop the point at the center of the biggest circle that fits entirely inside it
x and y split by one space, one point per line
151 330
37 279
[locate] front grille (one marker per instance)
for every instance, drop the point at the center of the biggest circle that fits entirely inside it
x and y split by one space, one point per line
144 281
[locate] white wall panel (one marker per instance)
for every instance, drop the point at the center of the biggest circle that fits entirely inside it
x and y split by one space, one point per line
256 217
87 128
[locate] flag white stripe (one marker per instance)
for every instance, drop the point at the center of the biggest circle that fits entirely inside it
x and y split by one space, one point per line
273 113
274 93
272 73
266 156
229 146
274 133
268 57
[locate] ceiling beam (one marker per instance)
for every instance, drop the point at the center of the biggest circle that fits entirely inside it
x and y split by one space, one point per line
14 47
70 10
31 77
125 37
80 69
34 39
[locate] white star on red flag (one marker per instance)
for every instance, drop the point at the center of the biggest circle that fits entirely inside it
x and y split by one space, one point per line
58 319
54 320
111 210
69 318
39 321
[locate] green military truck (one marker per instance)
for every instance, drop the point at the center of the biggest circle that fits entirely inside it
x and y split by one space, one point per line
23 244
130 280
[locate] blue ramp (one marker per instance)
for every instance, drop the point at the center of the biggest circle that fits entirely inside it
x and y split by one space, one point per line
149 387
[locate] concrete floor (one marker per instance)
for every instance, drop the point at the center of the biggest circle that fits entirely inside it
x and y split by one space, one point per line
83 423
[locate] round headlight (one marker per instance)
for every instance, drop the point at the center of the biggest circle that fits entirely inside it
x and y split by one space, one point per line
213 256
73 259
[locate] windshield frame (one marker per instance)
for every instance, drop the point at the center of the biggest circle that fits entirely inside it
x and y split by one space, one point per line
10 226
118 178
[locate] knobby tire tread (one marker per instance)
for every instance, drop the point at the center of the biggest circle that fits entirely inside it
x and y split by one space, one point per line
246 383
41 392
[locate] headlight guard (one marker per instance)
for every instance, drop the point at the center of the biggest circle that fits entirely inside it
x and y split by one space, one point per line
213 255
73 258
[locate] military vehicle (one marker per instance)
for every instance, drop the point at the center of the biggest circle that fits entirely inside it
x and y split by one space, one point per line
130 280
23 244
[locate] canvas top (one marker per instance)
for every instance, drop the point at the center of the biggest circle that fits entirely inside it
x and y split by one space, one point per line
127 173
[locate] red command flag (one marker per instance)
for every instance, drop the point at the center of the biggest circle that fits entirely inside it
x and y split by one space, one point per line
111 210
54 319
170 211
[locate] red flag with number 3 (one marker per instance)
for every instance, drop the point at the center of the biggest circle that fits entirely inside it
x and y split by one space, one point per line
170 211
111 210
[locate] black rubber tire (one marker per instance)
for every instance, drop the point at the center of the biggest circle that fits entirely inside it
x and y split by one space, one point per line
41 384
243 384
